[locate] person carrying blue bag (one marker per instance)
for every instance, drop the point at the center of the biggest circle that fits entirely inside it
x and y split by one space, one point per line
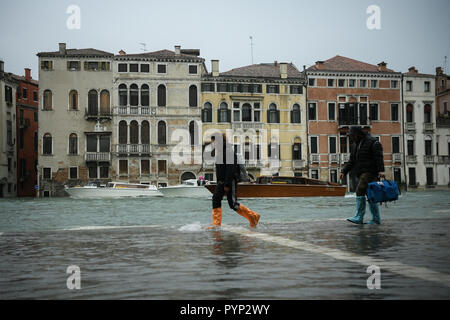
366 160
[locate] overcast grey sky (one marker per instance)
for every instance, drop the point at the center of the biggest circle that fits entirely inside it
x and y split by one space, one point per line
412 32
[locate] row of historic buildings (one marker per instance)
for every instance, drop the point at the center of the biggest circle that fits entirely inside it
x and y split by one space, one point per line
105 117
18 134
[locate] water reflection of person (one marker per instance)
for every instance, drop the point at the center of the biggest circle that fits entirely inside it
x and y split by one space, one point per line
227 170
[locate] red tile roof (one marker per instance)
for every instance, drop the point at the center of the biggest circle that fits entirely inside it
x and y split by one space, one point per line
339 63
263 70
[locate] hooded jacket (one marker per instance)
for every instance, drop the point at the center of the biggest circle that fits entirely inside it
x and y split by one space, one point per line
366 156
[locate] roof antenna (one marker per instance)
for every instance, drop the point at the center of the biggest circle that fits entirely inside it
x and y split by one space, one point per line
144 46
251 47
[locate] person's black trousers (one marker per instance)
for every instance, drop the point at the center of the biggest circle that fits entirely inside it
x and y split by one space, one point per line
219 192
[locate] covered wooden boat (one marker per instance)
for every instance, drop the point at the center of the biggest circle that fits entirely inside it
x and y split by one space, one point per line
281 187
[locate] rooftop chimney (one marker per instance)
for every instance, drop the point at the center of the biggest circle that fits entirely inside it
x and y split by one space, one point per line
439 71
122 53
177 50
215 68
62 48
275 63
2 66
412 70
27 74
382 66
283 70
319 65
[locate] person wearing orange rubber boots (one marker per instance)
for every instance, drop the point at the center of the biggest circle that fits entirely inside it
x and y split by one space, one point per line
227 171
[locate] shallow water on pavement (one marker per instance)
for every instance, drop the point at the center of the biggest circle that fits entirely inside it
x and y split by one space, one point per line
159 249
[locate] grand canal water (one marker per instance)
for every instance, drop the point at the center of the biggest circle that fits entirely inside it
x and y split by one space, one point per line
158 248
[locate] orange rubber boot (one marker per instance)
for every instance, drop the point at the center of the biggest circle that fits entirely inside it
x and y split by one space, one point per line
250 215
217 218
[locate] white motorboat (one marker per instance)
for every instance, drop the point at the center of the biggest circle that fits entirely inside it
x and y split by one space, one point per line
188 189
114 190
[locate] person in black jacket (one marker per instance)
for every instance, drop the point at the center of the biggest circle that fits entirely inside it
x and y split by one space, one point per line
227 171
366 160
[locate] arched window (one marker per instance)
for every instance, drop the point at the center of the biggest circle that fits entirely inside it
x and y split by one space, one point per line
273 115
145 132
207 112
48 97
161 95
134 95
93 103
73 144
123 132
193 96
187 176
192 132
123 95
409 113
162 133
427 113
297 149
295 114
104 102
134 132
145 95
47 144
224 113
73 100
246 112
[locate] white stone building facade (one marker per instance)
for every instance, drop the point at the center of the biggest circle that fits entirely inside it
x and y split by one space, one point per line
420 132
8 130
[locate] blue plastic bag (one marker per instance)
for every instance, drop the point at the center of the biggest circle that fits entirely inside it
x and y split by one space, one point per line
382 191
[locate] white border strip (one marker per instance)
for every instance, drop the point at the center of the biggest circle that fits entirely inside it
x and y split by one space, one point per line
392 266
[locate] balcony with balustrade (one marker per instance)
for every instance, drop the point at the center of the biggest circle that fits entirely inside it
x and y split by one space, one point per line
428 127
429 159
333 158
133 110
298 164
314 158
97 157
247 125
411 159
397 158
410 127
133 149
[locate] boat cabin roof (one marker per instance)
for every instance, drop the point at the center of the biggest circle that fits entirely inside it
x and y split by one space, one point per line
128 185
289 180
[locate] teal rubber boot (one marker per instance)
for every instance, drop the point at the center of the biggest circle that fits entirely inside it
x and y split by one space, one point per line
375 211
360 210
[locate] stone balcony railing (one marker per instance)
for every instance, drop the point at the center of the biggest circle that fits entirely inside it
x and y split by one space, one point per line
428 159
411 159
97 157
131 110
443 160
133 149
314 158
428 127
410 126
397 157
298 164
333 157
345 157
247 125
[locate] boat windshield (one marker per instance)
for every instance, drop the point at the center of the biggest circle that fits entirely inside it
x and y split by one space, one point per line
131 186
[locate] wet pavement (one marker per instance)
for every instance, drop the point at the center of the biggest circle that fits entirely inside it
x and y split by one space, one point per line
297 260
